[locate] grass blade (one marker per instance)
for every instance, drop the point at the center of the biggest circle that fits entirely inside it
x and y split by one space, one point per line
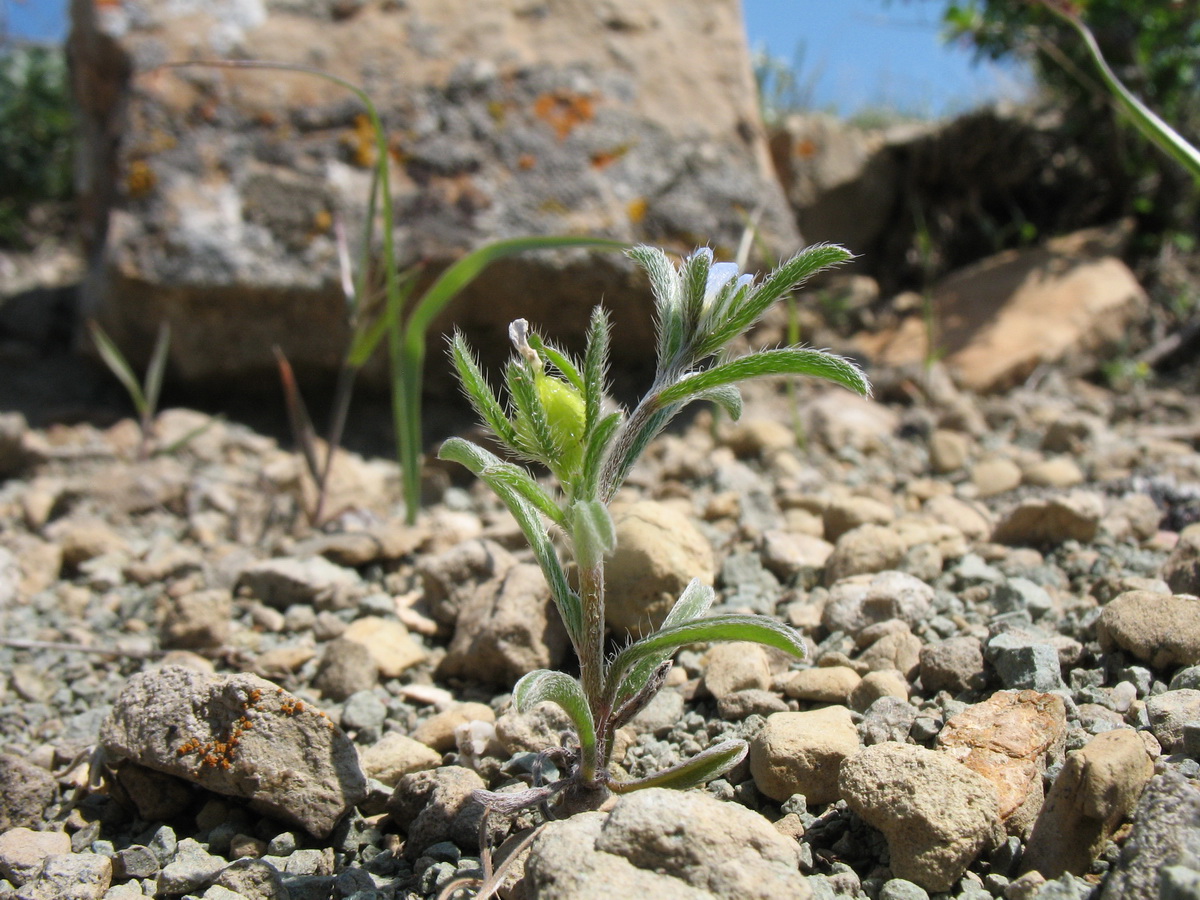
464 271
156 369
303 432
119 366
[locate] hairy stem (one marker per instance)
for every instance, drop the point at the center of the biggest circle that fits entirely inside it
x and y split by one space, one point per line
591 658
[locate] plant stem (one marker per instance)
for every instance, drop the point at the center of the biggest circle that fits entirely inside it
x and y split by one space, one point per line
591 660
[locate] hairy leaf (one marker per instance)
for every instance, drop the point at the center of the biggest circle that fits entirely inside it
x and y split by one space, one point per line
595 368
595 453
727 396
702 767
785 361
483 400
758 629
117 364
559 359
694 602
493 470
526 514
668 300
592 532
544 685
800 267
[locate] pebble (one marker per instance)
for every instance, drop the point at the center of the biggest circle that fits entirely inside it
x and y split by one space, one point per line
1162 630
801 752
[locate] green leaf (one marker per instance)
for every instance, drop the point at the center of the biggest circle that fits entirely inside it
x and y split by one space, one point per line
595 368
694 279
727 396
758 629
1151 126
667 290
156 368
704 766
465 270
543 685
483 400
533 428
117 364
595 452
592 532
368 335
799 268
693 603
526 514
785 361
492 470
631 442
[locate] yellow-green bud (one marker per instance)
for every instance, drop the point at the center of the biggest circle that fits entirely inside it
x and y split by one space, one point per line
566 412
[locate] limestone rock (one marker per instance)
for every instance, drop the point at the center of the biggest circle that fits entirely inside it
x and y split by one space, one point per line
1008 739
954 665
23 852
1162 630
503 123
287 580
659 551
670 843
1096 789
395 755
1003 316
826 684
736 667
25 791
800 752
858 601
502 634
936 814
239 736
1073 517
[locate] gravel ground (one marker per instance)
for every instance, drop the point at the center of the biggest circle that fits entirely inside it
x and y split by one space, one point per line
998 595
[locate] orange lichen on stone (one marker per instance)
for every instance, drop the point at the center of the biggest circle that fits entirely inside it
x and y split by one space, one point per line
604 158
806 148
361 140
526 161
214 754
564 111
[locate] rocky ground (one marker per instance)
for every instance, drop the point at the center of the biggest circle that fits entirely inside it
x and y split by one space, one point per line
204 696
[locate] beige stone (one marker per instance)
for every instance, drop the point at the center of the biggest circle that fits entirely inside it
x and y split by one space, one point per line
825 684
936 814
1057 472
395 755
23 851
973 521
659 551
949 451
736 667
389 643
1162 630
995 476
1097 788
438 730
800 753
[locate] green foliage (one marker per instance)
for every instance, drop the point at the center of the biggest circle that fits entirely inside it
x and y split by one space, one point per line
557 415
1153 48
144 395
36 134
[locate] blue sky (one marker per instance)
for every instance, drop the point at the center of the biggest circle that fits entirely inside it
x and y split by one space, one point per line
853 54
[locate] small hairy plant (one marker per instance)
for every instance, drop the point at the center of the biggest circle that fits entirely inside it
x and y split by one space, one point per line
556 415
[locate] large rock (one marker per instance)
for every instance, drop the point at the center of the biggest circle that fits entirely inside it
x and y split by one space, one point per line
240 736
936 814
211 195
998 319
665 843
1162 630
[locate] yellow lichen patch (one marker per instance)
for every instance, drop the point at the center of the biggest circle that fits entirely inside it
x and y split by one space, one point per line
140 180
526 161
564 111
636 210
361 141
806 148
322 221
